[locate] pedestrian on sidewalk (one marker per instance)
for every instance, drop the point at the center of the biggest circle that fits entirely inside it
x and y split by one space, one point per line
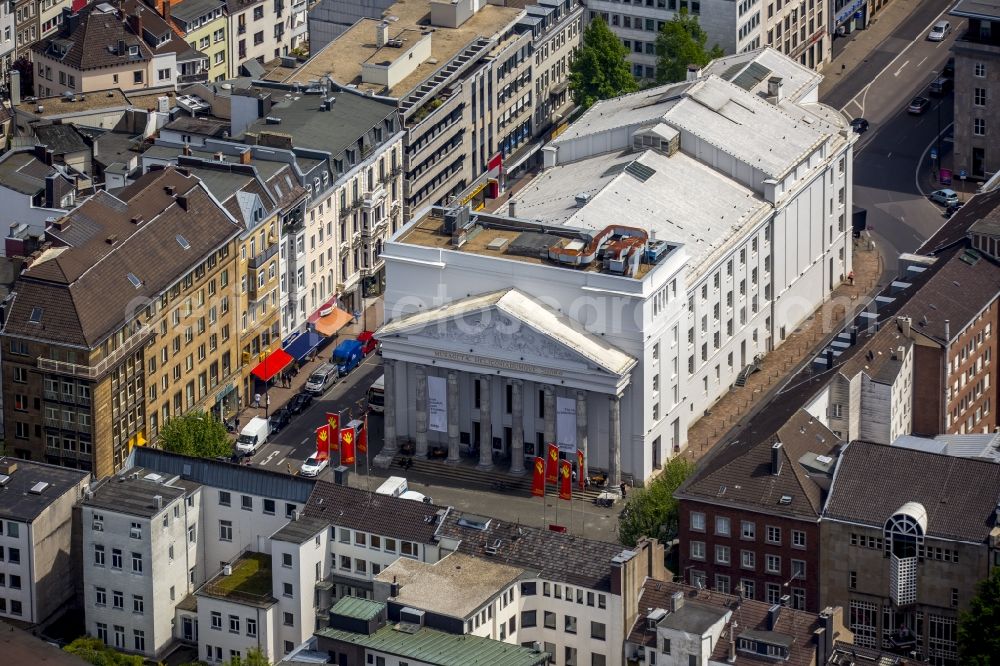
850 278
267 400
621 487
256 400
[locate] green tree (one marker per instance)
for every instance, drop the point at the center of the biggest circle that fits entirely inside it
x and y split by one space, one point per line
599 69
652 511
96 652
978 640
255 657
681 42
196 434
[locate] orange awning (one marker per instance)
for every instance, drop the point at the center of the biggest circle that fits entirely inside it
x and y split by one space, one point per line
274 363
332 323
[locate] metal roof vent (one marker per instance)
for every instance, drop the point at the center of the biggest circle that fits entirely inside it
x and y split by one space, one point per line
38 488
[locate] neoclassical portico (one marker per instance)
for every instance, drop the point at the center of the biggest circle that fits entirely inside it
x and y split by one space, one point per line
495 377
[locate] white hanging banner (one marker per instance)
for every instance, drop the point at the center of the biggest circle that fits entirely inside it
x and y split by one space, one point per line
566 424
437 404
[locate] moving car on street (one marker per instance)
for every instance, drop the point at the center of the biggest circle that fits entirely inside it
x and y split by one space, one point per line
314 465
918 105
859 125
939 31
298 404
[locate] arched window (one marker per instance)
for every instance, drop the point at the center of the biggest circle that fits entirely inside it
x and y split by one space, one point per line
905 530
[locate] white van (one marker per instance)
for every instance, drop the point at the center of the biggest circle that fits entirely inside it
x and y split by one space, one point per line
394 486
376 395
416 497
322 379
253 435
939 31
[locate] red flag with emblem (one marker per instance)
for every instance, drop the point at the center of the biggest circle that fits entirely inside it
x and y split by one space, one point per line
538 478
347 446
333 422
580 468
565 480
552 464
363 436
323 442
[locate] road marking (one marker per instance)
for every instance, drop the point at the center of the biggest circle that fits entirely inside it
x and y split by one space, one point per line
901 68
280 461
888 156
269 457
922 61
303 442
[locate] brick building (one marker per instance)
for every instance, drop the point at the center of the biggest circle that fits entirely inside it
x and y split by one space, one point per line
749 517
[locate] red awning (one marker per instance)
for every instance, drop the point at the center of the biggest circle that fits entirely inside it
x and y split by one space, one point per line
274 363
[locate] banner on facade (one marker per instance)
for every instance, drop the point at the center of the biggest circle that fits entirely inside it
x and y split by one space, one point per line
566 424
437 404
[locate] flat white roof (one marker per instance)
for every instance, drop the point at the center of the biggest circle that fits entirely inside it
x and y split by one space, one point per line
683 201
797 80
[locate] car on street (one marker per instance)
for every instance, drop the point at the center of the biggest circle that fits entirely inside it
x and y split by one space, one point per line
939 31
945 197
313 465
280 419
940 86
298 404
918 105
368 342
859 125
949 68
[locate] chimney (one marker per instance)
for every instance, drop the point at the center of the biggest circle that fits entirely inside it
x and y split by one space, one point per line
772 616
825 635
947 331
246 156
905 326
137 22
159 501
381 34
169 189
182 201
693 72
512 208
774 89
15 87
187 149
165 9
7 466
676 601
50 190
776 458
731 658
829 358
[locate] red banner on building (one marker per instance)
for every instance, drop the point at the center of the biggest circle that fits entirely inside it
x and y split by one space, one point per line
538 478
580 468
363 436
565 480
347 446
552 464
333 422
323 442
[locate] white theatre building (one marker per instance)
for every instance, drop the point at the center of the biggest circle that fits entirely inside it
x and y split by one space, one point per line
673 235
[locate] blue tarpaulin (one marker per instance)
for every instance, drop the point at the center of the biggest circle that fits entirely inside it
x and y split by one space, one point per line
300 347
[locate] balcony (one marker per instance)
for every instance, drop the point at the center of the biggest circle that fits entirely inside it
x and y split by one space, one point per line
263 257
375 197
102 366
903 580
200 77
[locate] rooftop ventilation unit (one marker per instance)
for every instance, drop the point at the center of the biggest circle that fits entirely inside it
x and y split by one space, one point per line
38 488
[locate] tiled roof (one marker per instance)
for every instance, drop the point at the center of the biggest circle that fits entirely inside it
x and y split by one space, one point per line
879 359
740 473
556 556
358 509
60 139
83 285
93 43
960 495
750 615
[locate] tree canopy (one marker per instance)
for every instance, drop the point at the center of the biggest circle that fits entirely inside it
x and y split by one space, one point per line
978 639
96 652
681 42
255 657
599 69
652 511
196 434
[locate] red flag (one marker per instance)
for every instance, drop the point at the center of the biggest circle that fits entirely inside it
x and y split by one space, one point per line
347 446
566 480
323 442
333 422
538 479
580 468
552 466
363 436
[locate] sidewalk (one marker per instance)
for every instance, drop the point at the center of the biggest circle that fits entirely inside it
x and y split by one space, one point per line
280 395
862 43
799 348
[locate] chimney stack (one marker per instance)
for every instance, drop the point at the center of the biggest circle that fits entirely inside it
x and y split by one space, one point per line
137 22
15 87
776 458
512 208
166 10
676 601
246 156
381 34
773 613
774 89
947 331
693 72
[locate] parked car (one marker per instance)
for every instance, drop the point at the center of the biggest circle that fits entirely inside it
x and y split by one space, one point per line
299 403
939 31
918 105
368 342
321 379
280 419
949 68
859 125
945 197
313 465
347 356
940 86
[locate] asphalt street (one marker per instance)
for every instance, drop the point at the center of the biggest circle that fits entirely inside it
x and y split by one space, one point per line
890 157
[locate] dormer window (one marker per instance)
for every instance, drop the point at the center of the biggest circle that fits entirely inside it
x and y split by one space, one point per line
133 50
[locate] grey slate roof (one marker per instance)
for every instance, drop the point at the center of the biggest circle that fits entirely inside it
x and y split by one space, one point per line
60 139
693 618
224 475
873 481
22 172
301 530
16 503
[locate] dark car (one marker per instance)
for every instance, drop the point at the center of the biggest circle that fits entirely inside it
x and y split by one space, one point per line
949 68
280 419
297 404
918 106
940 86
859 125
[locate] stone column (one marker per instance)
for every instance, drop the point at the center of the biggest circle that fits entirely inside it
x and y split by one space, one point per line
614 441
485 424
581 430
517 426
453 454
549 406
389 446
421 443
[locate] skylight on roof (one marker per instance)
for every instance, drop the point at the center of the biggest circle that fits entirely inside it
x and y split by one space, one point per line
136 282
183 242
641 172
36 315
